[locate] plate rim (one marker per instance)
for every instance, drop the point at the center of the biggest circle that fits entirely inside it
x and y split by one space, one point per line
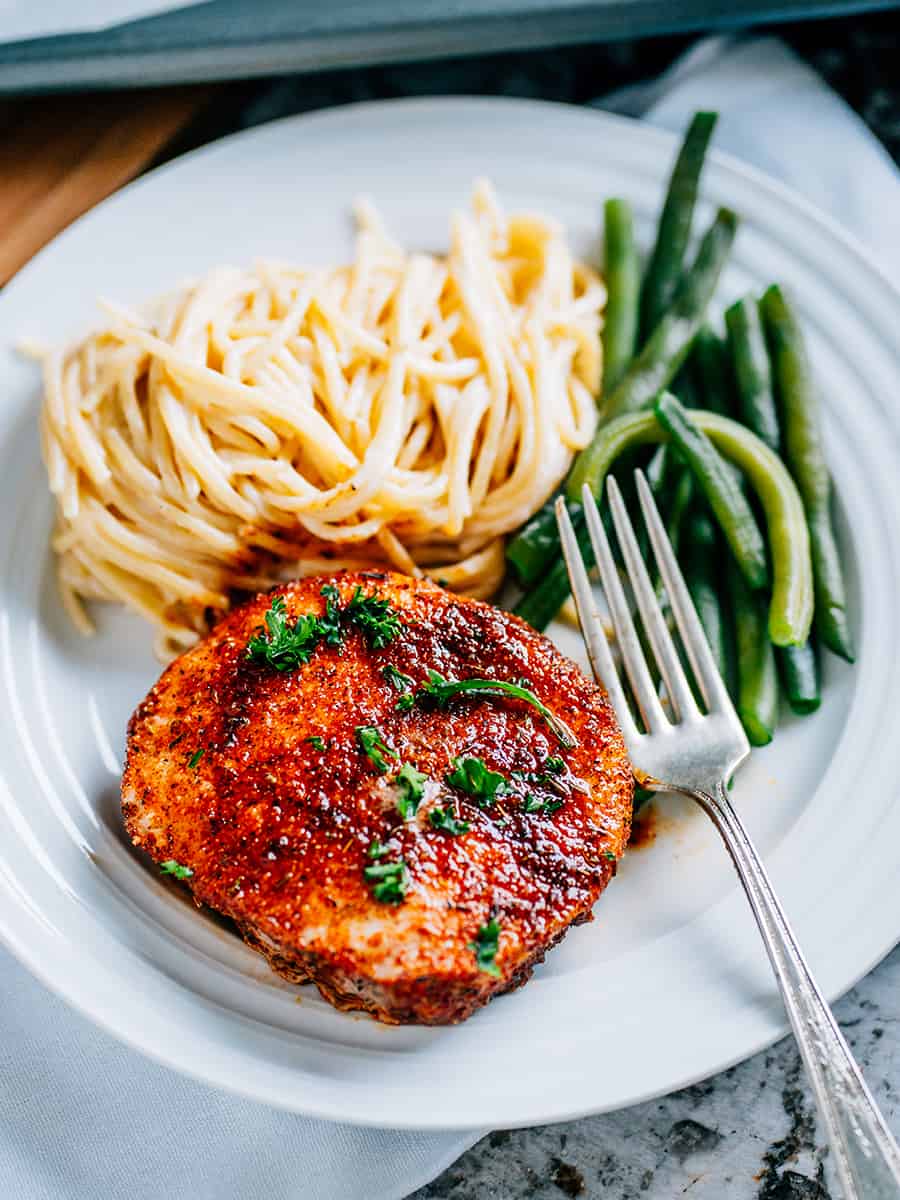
782 193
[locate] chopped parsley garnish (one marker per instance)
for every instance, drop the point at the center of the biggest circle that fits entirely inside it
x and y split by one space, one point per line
317 743
549 777
286 645
194 760
400 681
609 856
373 744
545 807
330 623
171 867
391 881
444 820
375 618
404 685
411 784
474 777
377 849
485 946
441 691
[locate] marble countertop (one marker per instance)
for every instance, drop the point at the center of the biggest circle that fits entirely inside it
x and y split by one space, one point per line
750 1133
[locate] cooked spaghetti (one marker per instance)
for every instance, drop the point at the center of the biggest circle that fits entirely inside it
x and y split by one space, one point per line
256 425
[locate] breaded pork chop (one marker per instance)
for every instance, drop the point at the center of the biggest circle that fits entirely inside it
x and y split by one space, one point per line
409 853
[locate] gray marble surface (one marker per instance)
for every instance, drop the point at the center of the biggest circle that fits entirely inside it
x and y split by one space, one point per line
748 1134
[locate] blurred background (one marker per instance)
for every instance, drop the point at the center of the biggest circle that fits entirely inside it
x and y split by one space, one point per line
95 93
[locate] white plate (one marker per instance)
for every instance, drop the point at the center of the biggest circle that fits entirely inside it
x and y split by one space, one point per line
670 983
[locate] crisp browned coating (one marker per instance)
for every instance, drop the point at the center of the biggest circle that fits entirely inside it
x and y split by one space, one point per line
277 831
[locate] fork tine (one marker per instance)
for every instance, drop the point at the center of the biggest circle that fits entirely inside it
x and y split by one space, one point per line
715 694
657 631
626 634
591 626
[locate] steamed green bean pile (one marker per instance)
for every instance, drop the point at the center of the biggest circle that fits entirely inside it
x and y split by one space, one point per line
727 428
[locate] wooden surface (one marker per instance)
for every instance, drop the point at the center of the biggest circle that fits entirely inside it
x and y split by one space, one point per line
60 155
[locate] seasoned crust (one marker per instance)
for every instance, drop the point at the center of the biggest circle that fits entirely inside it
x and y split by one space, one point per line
276 831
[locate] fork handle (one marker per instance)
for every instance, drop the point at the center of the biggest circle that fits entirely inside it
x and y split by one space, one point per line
866 1155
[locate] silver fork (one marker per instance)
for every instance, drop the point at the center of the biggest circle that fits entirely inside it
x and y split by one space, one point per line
695 753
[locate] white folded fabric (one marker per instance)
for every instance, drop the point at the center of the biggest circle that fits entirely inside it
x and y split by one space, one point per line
778 114
83 1117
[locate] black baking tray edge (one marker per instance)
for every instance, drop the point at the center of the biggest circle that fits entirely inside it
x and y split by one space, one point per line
228 39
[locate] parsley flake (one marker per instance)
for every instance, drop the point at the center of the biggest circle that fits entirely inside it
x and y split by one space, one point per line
400 681
412 788
317 743
377 849
390 879
194 760
474 777
403 684
330 623
373 744
171 867
285 645
441 691
546 808
485 947
376 619
609 856
444 820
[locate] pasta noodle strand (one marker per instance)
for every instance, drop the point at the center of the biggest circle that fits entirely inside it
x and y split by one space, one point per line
403 410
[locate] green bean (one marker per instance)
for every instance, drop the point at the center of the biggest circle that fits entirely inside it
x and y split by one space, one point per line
674 501
752 373
805 455
534 549
674 229
757 699
800 677
623 287
658 469
541 604
790 612
684 385
832 617
709 358
537 543
625 432
701 575
722 490
668 346
676 508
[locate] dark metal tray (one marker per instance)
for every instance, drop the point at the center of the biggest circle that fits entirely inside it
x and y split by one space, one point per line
234 38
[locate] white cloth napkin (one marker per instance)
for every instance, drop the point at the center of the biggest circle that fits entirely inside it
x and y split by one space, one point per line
778 114
82 1116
